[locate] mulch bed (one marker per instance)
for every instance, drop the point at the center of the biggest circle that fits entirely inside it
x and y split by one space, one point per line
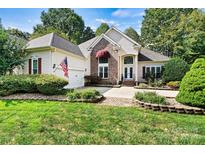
173 106
155 88
38 96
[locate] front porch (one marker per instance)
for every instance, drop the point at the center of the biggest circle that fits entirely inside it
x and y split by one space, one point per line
128 70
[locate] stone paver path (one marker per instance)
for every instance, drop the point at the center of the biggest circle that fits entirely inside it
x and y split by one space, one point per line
128 92
112 101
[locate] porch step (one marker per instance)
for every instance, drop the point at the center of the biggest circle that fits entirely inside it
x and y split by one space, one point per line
130 83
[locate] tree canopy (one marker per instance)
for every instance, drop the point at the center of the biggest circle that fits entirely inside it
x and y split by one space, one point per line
102 29
133 34
18 33
65 22
161 29
11 52
88 33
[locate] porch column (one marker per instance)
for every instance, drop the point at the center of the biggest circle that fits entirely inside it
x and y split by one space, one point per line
136 68
119 69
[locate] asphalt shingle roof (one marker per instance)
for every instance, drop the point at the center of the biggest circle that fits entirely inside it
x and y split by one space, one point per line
84 46
149 55
53 40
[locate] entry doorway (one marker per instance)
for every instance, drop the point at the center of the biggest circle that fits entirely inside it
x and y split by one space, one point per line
128 72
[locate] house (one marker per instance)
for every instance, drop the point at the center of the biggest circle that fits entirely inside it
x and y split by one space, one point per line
113 57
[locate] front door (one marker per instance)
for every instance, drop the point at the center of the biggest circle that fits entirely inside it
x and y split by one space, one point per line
128 72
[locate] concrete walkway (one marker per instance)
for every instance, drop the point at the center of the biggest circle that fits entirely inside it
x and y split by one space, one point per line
128 92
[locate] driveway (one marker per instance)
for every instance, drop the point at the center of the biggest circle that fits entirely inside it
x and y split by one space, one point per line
128 92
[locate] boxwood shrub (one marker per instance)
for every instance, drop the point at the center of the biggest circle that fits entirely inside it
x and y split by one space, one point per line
10 84
46 84
192 87
50 84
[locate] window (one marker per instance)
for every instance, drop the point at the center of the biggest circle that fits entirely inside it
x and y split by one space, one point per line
103 67
128 60
154 70
158 72
34 66
103 60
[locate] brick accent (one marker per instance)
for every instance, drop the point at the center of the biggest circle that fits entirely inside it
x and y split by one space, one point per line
112 63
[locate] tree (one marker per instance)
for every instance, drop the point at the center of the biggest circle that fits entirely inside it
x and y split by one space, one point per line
64 20
133 34
159 27
18 33
174 70
190 36
192 87
102 29
41 30
87 34
11 52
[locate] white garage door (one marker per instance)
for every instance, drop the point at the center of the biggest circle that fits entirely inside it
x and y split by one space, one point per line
76 78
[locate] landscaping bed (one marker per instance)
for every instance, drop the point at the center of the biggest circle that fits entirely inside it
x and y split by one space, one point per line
64 98
155 88
152 101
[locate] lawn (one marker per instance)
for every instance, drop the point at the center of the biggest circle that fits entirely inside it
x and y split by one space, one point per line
42 122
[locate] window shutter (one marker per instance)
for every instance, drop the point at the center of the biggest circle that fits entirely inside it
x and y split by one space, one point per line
29 66
162 69
143 72
39 65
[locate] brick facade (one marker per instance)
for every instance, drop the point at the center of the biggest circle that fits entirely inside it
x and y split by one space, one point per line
112 63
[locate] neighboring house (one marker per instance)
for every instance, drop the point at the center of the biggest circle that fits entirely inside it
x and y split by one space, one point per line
112 56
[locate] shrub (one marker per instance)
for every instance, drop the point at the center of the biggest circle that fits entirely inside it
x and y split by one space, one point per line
150 97
83 94
10 84
50 84
192 87
174 70
143 85
72 96
156 83
89 94
46 84
174 84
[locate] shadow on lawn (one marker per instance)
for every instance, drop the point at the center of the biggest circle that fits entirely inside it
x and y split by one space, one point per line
9 103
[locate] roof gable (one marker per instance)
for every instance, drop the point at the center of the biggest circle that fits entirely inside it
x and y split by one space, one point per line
123 35
102 36
53 40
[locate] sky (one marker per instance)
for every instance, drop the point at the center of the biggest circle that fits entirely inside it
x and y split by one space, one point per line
25 19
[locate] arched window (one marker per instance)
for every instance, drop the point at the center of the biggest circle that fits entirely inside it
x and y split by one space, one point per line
128 60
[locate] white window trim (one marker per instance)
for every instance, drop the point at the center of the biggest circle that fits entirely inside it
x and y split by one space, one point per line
32 65
160 66
103 65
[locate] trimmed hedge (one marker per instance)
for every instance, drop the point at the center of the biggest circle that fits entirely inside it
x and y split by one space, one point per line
50 84
150 97
192 87
45 84
83 94
10 84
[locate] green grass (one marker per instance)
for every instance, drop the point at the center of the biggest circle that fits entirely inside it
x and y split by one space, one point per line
41 122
